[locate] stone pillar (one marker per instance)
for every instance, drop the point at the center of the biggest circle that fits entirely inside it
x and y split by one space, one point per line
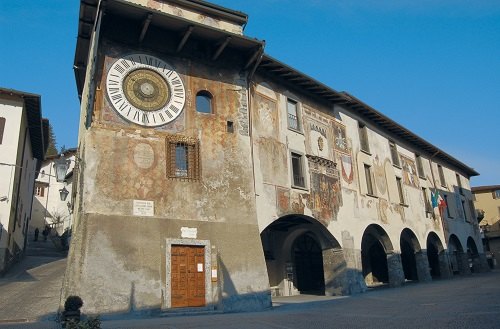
423 270
395 270
463 263
444 266
342 277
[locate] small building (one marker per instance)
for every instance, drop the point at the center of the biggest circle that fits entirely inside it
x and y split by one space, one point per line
487 203
52 206
22 149
214 176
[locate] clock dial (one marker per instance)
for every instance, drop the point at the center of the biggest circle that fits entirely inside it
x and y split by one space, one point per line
145 90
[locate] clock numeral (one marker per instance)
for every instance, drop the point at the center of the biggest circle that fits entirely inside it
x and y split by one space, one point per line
161 117
157 63
125 63
123 106
165 68
145 118
132 61
174 108
119 68
113 83
113 90
129 109
136 116
154 118
149 61
176 81
116 98
169 114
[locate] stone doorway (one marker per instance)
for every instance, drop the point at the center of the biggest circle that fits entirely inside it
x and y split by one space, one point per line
308 263
409 248
434 249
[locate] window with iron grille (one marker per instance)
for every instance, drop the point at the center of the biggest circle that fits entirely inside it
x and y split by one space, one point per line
363 137
183 158
293 115
394 154
297 170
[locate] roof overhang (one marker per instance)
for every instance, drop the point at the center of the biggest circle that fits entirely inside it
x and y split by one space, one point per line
33 107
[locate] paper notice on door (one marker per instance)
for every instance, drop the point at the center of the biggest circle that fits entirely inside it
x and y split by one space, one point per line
200 267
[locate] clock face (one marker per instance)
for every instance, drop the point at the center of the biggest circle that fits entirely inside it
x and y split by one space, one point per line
145 90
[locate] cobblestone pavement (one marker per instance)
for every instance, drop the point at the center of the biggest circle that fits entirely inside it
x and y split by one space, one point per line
461 302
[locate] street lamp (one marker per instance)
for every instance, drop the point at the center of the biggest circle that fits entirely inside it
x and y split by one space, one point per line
61 167
63 193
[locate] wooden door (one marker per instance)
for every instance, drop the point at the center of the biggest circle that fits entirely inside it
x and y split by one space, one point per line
188 276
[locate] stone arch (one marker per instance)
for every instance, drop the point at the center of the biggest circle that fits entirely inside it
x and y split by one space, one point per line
299 252
456 256
436 256
376 247
409 247
473 255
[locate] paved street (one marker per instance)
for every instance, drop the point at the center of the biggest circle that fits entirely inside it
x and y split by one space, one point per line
462 302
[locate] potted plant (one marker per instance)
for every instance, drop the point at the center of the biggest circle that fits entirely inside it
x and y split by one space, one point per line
71 311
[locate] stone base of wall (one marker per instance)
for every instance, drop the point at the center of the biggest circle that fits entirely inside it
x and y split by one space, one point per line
395 269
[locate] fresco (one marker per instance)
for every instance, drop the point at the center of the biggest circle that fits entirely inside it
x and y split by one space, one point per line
339 131
410 176
266 120
380 178
319 135
283 200
273 161
325 198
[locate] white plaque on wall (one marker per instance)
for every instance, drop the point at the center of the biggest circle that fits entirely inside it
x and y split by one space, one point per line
144 208
189 232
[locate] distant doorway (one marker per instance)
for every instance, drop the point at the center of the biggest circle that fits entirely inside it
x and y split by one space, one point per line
308 260
409 247
374 247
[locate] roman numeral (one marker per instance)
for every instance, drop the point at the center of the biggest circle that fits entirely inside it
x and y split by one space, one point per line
125 63
176 81
119 68
173 108
123 106
154 118
169 115
161 117
113 90
136 116
149 61
145 118
113 83
116 98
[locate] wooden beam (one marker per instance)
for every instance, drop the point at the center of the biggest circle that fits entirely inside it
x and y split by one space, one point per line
185 38
145 26
252 58
221 48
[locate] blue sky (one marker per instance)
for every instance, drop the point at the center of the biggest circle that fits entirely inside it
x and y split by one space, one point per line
433 66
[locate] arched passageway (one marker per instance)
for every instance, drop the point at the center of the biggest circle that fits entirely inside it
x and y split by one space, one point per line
456 255
472 255
302 257
436 256
409 248
308 261
375 246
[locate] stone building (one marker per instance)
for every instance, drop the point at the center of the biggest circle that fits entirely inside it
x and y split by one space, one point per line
22 149
487 203
212 175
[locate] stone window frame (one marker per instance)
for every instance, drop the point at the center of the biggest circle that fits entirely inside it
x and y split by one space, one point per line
192 171
394 154
206 95
301 175
363 137
293 117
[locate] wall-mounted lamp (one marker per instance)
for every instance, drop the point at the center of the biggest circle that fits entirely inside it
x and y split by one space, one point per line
61 166
63 193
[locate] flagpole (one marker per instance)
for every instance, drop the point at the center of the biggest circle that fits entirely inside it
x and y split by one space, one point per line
443 224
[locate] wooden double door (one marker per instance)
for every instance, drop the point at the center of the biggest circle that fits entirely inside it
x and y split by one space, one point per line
188 276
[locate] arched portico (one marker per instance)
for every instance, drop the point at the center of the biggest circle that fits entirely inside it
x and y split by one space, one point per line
415 264
473 256
437 258
380 263
458 259
303 257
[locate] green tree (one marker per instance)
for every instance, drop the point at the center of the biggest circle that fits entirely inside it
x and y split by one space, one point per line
52 148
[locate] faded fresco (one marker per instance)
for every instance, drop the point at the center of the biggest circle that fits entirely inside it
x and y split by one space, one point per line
341 145
380 178
283 200
347 167
410 176
273 161
266 118
325 198
319 137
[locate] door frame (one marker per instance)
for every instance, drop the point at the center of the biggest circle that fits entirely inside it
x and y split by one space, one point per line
167 302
